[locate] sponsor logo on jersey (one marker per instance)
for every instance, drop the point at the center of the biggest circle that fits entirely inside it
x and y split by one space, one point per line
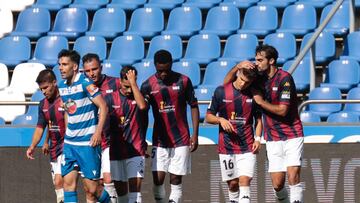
227 100
177 87
274 88
287 84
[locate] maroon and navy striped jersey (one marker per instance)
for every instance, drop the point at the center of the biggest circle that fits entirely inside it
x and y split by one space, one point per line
280 89
51 115
238 107
127 127
168 102
108 85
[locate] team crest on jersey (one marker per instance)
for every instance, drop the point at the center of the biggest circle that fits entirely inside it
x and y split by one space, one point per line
92 89
70 106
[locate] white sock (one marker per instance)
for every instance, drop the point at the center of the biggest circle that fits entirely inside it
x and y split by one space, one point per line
244 194
296 192
59 195
159 193
110 188
176 193
233 196
123 199
135 197
282 195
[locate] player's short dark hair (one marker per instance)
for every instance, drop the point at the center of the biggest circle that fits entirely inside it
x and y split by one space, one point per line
250 74
270 51
72 54
162 57
125 69
89 57
46 75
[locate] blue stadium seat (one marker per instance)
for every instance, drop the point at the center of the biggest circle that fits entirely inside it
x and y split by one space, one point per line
37 96
127 50
108 22
91 44
2 121
190 69
285 43
325 47
164 4
202 4
146 22
57 73
14 50
343 117
32 23
352 48
243 4
215 73
277 3
198 43
308 117
260 20
244 42
111 69
301 75
127 4
52 5
339 23
26 119
315 3
222 21
298 19
324 93
183 21
343 74
353 94
47 49
90 5
204 94
145 69
171 43
70 22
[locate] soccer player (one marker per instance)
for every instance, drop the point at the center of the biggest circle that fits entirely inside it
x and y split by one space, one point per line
234 110
128 124
82 151
50 115
168 93
107 85
283 130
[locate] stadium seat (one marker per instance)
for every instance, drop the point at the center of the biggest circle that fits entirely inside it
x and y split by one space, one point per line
70 22
260 20
9 112
285 43
339 23
145 69
183 21
52 5
171 43
244 42
91 44
16 5
190 69
14 50
108 22
243 4
277 3
4 76
7 21
352 48
324 93
325 47
203 48
215 73
111 69
2 121
90 5
146 22
127 50
47 49
315 3
222 21
343 74
204 94
298 19
343 117
24 77
26 119
308 117
57 73
37 96
301 75
353 94
164 4
202 4
126 4
32 23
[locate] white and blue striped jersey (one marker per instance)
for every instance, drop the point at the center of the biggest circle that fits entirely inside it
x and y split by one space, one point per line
82 112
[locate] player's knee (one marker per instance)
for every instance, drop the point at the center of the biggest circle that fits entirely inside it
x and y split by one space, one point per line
58 183
233 186
175 179
293 179
106 178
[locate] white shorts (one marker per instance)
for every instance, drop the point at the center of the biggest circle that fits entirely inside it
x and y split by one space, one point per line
235 165
176 161
282 154
56 166
105 161
122 170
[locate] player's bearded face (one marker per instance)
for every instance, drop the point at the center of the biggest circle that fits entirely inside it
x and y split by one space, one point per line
262 63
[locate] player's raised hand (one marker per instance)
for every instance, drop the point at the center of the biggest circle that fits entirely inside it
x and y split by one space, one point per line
246 65
226 125
30 153
95 139
131 76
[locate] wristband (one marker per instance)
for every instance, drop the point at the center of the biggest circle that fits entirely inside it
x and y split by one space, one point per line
257 138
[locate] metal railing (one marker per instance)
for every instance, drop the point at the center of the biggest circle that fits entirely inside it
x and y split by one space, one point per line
327 101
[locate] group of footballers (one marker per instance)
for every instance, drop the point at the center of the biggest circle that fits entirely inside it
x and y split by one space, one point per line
97 127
